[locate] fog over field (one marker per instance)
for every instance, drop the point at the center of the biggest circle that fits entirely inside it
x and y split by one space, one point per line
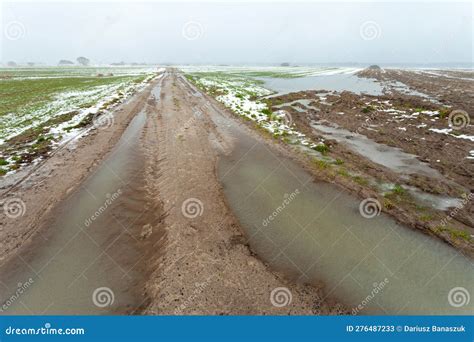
388 33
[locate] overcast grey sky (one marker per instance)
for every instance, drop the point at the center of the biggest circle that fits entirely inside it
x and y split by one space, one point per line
233 33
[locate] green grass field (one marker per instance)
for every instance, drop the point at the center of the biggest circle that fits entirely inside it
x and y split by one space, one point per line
34 101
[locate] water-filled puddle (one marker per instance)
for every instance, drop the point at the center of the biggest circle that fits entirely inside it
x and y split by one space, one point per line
301 105
404 89
88 260
335 82
314 232
393 158
390 157
439 202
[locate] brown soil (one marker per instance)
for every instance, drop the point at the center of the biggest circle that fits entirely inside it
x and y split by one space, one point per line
454 88
365 114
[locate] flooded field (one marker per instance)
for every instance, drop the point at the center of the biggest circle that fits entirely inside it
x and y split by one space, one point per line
298 228
333 82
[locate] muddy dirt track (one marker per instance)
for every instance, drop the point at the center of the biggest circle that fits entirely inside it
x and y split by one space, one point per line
139 209
60 175
206 267
193 257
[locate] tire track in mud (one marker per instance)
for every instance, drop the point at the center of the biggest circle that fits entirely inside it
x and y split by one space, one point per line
99 237
57 177
185 263
206 266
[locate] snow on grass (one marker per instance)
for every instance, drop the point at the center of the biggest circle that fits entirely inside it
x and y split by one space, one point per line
28 116
22 73
242 95
56 109
270 71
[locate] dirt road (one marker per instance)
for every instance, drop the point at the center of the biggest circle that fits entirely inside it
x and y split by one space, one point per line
196 259
206 268
62 173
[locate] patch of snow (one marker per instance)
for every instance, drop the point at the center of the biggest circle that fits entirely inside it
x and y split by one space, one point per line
236 95
448 131
430 112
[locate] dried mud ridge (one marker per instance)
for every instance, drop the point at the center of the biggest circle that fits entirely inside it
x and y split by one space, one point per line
372 117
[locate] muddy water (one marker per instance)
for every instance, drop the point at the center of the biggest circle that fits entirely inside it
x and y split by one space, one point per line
315 233
403 88
334 82
394 158
440 202
90 243
391 157
304 103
